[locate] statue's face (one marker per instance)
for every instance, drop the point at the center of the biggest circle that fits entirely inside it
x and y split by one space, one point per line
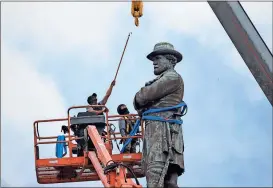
161 64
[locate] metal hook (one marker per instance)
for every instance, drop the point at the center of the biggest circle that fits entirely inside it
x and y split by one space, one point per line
136 21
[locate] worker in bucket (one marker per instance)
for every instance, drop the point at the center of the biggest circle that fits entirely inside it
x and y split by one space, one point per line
92 100
126 124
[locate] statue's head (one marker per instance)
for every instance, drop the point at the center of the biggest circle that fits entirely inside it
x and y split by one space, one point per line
164 57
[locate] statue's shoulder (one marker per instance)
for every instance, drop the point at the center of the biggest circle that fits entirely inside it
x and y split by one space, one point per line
172 74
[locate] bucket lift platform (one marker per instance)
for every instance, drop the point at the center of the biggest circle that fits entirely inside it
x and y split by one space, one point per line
95 161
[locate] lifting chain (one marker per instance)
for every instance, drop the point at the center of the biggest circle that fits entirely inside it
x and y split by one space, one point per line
137 10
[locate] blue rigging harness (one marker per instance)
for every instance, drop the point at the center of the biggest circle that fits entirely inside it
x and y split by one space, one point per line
145 116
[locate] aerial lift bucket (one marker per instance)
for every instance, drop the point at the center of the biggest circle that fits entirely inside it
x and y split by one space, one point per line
68 166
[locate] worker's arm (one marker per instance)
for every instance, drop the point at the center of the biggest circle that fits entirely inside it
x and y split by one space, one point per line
122 128
161 87
108 93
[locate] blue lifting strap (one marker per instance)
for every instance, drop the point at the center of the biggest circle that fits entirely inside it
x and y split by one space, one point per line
61 149
155 118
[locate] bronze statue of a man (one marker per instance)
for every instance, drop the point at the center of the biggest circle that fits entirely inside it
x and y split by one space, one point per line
163 146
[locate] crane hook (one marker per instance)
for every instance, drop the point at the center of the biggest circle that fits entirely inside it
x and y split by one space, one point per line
137 10
136 22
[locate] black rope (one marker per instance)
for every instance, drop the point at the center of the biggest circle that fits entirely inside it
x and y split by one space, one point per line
109 162
132 172
114 165
110 167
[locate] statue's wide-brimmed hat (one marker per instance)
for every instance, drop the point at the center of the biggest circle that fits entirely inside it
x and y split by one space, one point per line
163 48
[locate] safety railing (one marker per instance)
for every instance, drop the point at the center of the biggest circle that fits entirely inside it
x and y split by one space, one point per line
38 137
129 117
109 118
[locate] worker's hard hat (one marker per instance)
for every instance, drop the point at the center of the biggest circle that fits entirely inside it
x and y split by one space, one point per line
165 48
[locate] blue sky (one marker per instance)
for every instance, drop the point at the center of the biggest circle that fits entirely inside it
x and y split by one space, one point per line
54 55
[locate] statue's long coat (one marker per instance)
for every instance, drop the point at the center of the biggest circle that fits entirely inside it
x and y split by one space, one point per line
164 91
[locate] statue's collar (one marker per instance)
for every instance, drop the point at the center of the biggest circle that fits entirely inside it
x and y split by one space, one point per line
169 70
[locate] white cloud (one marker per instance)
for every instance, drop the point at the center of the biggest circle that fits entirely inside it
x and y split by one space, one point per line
24 86
197 20
27 95
194 19
61 27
